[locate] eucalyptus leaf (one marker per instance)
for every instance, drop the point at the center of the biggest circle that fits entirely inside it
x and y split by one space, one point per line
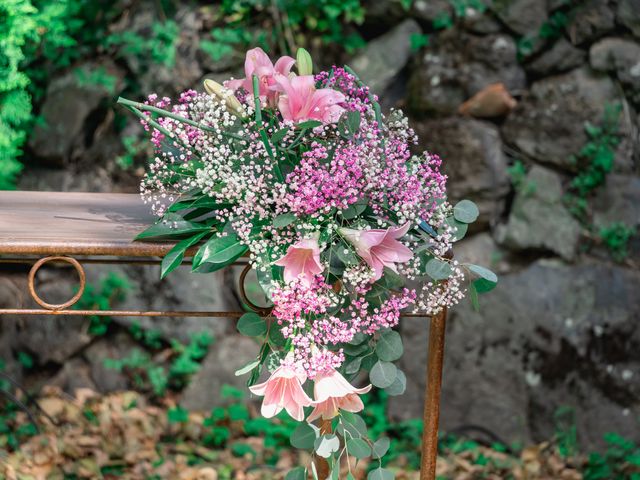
389 346
325 445
353 366
438 269
483 272
473 296
252 325
298 473
303 437
353 423
381 447
358 448
427 228
483 286
380 474
459 227
466 211
398 386
383 374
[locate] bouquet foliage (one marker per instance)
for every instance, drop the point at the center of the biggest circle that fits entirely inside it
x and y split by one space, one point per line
345 226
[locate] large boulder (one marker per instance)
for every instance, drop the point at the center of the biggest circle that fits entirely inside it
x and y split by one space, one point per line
473 160
548 124
524 17
74 106
538 220
384 57
547 337
629 15
561 57
225 357
591 21
456 65
618 201
622 57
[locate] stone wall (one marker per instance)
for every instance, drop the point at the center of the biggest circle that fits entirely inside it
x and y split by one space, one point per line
562 327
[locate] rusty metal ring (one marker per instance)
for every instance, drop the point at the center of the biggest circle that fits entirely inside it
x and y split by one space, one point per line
243 294
56 306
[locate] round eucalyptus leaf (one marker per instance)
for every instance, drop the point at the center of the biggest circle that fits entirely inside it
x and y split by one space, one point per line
325 445
383 374
358 448
380 474
466 211
483 272
398 386
298 473
437 269
252 325
389 346
303 437
380 447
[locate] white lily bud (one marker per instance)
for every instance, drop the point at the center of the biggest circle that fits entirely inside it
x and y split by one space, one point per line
304 62
225 96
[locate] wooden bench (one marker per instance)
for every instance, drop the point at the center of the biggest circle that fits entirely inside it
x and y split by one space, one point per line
43 227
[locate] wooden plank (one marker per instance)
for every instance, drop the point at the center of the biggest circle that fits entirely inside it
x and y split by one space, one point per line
61 223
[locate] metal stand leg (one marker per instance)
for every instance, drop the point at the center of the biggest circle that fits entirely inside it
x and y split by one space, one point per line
431 414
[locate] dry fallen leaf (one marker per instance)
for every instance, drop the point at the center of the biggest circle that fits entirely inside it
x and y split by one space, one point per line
492 101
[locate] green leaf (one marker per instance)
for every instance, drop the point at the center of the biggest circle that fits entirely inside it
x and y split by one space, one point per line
437 269
218 252
358 448
389 346
352 423
283 220
309 124
380 474
380 447
170 226
247 368
459 227
174 257
353 121
473 296
298 473
304 436
279 135
252 325
353 366
466 211
483 286
177 415
483 272
325 445
398 386
353 210
383 374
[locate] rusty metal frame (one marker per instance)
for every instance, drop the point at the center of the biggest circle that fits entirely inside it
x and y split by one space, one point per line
436 340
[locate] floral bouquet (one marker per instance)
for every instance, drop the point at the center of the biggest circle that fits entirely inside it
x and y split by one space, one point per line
345 227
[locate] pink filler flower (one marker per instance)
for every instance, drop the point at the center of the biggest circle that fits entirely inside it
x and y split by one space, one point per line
302 261
283 389
333 392
380 248
302 101
258 63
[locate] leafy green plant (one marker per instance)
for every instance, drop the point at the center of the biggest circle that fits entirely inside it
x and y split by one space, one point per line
616 238
620 461
595 159
147 374
112 289
550 30
159 47
565 431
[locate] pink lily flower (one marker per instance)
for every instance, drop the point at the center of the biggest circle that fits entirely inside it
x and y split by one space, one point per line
283 389
302 101
380 248
332 392
258 63
302 261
